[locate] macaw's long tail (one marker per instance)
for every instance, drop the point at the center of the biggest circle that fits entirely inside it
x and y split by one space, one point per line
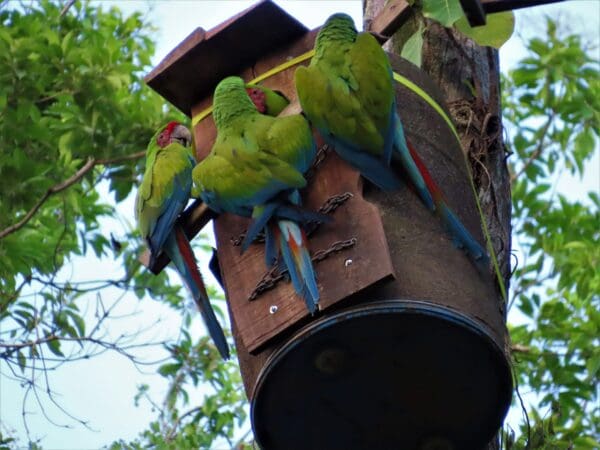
460 235
293 246
179 250
403 156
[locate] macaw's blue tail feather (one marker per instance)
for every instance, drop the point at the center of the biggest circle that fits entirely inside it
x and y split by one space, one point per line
270 246
372 167
460 235
402 155
300 215
179 250
164 224
261 216
294 250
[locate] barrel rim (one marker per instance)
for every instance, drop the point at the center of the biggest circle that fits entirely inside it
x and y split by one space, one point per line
398 306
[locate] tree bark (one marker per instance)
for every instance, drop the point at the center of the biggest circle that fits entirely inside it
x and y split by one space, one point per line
468 75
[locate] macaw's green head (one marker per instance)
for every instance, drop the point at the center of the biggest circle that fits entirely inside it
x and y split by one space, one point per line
171 133
338 27
267 101
230 101
341 20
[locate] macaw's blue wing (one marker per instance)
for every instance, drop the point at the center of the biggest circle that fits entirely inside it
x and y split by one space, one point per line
172 206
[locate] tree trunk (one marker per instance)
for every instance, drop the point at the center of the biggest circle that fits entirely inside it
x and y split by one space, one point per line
468 76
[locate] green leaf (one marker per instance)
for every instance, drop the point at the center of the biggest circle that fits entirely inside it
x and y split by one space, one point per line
592 365
21 360
64 146
79 323
498 29
169 369
412 49
54 346
446 12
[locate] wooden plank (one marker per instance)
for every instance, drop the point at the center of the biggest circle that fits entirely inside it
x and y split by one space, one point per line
204 131
493 6
193 219
254 325
190 72
474 12
339 276
392 17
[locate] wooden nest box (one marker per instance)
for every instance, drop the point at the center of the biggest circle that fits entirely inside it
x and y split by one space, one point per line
407 350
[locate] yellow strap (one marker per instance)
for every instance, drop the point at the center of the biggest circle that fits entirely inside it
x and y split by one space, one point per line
285 65
486 232
425 96
269 73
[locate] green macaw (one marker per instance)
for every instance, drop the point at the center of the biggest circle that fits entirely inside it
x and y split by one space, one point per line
347 93
255 168
163 194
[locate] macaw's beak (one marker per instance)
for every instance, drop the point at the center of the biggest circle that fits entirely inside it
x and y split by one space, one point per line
182 135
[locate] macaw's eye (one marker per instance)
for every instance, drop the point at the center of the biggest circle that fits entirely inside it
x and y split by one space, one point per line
163 139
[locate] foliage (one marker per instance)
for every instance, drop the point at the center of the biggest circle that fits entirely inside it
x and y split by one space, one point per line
552 107
449 13
75 119
215 418
497 30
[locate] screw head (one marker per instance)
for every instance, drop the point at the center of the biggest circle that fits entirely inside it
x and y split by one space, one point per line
348 262
273 309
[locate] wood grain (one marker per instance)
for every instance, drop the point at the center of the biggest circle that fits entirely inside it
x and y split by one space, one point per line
189 73
393 15
339 276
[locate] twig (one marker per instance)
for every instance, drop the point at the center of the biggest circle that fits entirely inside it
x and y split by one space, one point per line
524 411
89 165
536 153
120 159
66 8
173 429
53 190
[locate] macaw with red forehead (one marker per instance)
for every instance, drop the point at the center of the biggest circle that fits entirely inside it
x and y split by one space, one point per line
255 168
161 197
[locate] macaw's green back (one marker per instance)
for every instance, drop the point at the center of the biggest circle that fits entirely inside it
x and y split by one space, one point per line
254 156
255 168
347 89
347 93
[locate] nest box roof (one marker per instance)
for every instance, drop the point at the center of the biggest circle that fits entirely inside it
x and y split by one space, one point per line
191 70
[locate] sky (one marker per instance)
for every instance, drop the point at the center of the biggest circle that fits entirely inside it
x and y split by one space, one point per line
101 390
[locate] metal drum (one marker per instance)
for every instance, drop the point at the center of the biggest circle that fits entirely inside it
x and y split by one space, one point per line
396 374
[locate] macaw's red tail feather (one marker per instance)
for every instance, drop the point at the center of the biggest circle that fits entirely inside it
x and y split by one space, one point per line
293 246
432 187
179 250
185 250
460 235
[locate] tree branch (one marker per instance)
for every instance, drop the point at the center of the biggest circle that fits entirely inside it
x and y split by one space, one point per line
536 153
66 7
120 159
53 190
89 165
173 430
